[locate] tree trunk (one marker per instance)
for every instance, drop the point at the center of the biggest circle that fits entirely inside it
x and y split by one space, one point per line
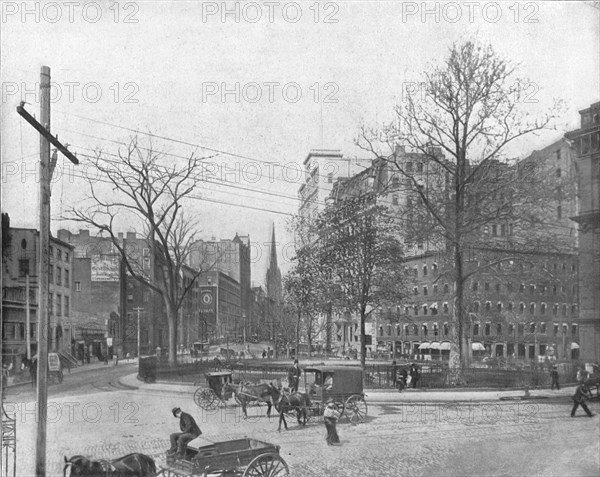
363 343
172 323
328 332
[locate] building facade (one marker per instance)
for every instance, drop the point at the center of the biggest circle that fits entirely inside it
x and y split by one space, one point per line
20 309
585 143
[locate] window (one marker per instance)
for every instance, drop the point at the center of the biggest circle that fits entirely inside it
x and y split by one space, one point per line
499 307
543 308
389 330
77 286
58 305
564 310
416 308
555 309
434 266
487 329
486 286
435 329
415 291
446 288
498 328
446 307
521 287
409 167
424 290
58 254
50 304
434 309
416 272
51 274
543 328
51 251
395 199
510 306
475 329
558 172
330 177
554 289
532 308
23 267
424 327
520 328
419 167
532 327
511 329
503 230
425 309
475 307
488 306
559 212
531 289
395 182
509 287
381 331
146 258
67 281
67 305
66 256
542 289
406 330
574 329
475 286
495 230
446 329
521 307
435 289
58 275
497 288
424 270
573 309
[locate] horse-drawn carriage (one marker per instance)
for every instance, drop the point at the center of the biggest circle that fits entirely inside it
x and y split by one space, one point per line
240 457
342 384
215 391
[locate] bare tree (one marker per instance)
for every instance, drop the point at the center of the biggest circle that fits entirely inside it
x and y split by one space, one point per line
359 245
152 194
461 118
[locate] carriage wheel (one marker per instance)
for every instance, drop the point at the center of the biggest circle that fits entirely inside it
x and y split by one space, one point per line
356 409
267 465
205 398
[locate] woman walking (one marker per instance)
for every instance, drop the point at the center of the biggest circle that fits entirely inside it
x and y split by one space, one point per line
331 415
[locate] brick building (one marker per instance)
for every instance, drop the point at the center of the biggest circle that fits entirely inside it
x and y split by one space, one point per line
585 143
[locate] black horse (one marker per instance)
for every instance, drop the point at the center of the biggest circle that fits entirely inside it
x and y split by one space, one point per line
245 393
288 403
131 465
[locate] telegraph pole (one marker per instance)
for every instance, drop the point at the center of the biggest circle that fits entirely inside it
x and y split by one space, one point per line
47 165
139 334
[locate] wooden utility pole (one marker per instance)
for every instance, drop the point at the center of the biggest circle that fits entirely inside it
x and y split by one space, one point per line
27 319
139 334
47 165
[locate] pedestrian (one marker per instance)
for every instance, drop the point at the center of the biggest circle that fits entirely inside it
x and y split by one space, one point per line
294 374
403 379
581 393
189 431
330 416
414 375
264 353
394 374
554 376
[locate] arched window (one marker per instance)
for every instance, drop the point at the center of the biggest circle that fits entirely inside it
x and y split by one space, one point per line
488 306
521 307
499 307
425 309
532 308
498 328
445 308
532 327
543 308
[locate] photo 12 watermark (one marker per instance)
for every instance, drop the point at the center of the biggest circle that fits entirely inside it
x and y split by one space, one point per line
470 12
270 12
268 91
69 12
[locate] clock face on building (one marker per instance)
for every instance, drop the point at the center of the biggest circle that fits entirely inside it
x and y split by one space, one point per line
207 298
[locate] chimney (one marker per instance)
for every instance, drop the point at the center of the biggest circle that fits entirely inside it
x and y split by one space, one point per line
400 150
84 234
130 236
120 234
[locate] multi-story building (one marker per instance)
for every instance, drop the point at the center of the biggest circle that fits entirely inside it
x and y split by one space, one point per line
107 298
585 143
231 257
21 273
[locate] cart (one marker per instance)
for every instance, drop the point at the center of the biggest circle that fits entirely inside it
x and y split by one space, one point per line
211 395
342 384
235 458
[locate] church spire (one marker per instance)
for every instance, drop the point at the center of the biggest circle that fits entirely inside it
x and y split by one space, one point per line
273 278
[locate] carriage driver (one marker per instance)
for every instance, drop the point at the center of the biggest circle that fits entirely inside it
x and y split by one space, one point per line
294 374
189 431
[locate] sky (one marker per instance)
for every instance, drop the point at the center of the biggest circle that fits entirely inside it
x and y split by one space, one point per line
253 87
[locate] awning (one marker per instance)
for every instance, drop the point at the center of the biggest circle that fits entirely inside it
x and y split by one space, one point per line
574 346
477 347
445 345
425 345
435 345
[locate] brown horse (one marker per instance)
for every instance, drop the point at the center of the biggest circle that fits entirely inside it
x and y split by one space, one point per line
288 403
245 393
131 465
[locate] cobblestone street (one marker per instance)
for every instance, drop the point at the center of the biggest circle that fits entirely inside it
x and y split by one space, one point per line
398 439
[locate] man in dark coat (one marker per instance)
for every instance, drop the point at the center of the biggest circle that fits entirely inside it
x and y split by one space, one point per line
554 376
581 393
294 374
414 375
189 431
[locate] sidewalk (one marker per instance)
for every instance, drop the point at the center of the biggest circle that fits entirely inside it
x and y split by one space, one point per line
79 369
390 396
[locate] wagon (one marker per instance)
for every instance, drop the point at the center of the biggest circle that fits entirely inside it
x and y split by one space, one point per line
235 458
211 395
342 384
